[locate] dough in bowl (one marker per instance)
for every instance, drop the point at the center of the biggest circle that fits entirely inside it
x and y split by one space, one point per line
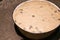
37 16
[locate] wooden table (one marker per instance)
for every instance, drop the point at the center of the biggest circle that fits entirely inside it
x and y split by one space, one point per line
7 29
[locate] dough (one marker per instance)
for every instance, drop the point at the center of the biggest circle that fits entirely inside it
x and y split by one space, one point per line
37 16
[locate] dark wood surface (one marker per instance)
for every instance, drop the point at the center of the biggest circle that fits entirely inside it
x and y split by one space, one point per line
7 30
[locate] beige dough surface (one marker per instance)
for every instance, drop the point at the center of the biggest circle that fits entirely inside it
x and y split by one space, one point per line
37 16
